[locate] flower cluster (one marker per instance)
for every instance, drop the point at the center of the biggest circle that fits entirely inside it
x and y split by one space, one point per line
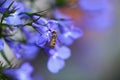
37 32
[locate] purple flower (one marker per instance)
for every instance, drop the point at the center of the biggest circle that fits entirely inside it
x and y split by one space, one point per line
21 7
24 51
14 19
43 29
69 36
53 25
67 32
36 38
6 4
93 5
57 57
22 73
1 44
40 25
43 39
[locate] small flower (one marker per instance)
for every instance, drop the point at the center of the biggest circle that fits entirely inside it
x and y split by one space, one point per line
22 73
69 36
67 32
43 29
52 25
43 39
14 19
1 44
5 3
35 38
23 51
21 7
57 57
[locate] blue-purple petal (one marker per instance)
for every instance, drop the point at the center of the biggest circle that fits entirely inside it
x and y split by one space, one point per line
64 52
1 44
22 73
55 64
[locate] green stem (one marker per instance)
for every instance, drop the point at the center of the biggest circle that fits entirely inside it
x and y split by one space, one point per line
5 57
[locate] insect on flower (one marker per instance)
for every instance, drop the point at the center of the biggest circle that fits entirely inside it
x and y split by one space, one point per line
53 39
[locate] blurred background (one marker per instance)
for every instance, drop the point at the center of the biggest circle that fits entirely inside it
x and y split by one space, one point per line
96 55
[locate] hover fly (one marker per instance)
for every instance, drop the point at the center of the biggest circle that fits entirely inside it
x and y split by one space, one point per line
53 39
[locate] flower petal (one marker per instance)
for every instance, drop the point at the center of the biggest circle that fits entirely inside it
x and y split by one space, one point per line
76 33
55 64
1 44
64 52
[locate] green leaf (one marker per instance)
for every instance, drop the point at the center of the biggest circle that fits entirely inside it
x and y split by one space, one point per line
61 3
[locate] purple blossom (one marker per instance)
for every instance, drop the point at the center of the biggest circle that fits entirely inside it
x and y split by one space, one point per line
57 57
11 18
67 32
24 51
7 3
43 39
53 25
41 36
21 7
69 36
40 25
14 19
44 30
36 38
22 73
1 44
41 29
